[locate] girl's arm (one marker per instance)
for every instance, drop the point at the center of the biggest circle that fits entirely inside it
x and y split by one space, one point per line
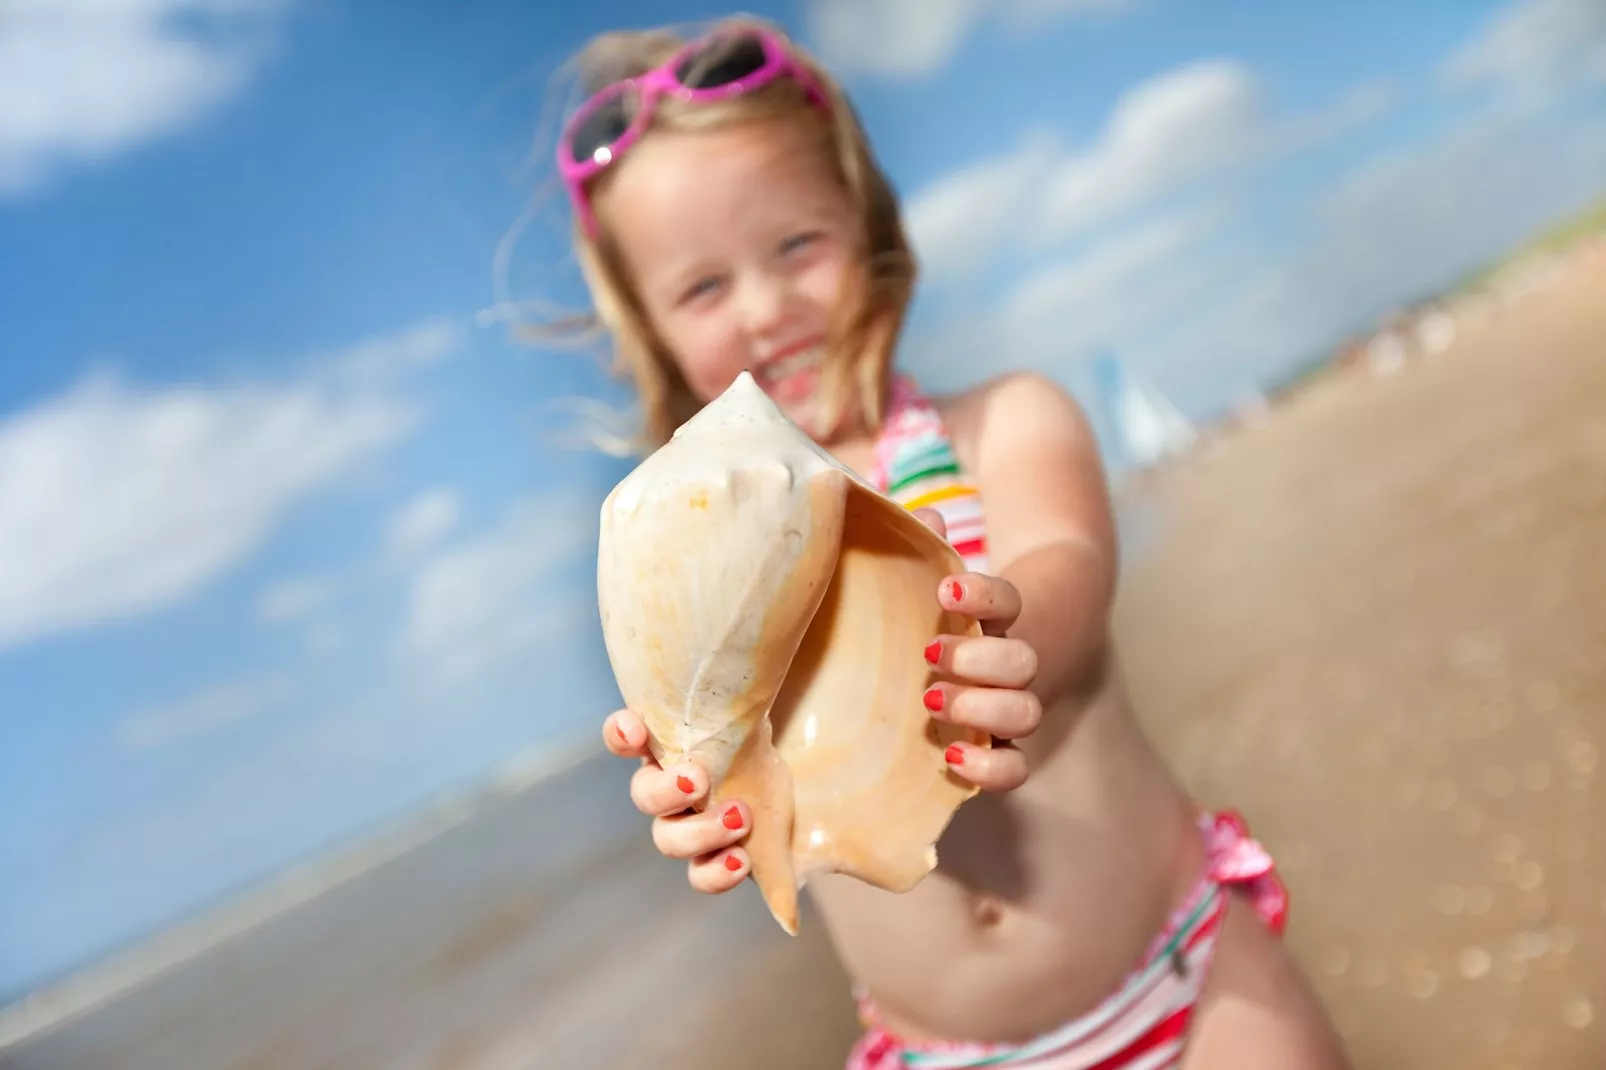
1050 527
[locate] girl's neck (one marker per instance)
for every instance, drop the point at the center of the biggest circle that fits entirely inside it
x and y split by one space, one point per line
857 453
853 445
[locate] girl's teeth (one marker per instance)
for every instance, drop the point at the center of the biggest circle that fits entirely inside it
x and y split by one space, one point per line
788 366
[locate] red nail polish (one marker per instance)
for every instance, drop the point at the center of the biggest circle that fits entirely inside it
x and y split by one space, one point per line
956 591
733 863
684 784
933 699
954 755
733 818
934 651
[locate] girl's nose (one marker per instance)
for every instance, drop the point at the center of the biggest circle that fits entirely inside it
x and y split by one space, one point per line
763 305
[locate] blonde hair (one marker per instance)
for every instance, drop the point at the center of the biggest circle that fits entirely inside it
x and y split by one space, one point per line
871 309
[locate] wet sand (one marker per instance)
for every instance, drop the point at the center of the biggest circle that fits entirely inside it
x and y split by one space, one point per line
1375 624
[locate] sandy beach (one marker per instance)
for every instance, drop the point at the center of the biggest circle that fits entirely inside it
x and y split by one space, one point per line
1373 623
505 941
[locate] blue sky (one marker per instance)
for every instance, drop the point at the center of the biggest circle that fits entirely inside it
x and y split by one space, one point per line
286 542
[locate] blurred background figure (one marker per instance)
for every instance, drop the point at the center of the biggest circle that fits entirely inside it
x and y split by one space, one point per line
300 670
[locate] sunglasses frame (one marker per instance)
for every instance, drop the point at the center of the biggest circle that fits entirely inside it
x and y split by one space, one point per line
660 82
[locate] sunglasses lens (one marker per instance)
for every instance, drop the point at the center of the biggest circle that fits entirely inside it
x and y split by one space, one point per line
600 129
722 62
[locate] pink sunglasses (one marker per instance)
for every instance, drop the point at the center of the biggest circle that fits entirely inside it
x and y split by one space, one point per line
716 67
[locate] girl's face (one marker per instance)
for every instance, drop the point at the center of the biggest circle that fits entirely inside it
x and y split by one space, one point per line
739 241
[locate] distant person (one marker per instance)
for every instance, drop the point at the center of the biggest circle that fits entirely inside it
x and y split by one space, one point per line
730 215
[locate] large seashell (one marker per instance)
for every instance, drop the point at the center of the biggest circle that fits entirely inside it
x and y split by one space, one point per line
765 612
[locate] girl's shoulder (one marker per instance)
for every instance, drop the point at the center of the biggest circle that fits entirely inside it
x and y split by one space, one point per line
1008 408
1030 450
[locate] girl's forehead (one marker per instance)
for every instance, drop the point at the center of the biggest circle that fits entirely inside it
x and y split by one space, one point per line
736 172
772 149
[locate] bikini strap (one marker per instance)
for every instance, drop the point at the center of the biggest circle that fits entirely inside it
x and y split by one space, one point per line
1235 858
915 465
909 413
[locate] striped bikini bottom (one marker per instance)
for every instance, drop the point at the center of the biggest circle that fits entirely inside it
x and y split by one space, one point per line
1143 1025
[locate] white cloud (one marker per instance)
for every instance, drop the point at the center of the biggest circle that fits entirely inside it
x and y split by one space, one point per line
1187 125
1162 134
958 221
1210 311
1098 297
1109 297
116 500
294 599
501 592
202 714
325 639
1534 47
83 80
420 524
1390 232
913 38
381 360
1170 133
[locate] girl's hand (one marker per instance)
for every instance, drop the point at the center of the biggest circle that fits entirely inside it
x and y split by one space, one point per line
988 677
709 842
985 689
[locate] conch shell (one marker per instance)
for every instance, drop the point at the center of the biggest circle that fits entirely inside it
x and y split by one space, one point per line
765 611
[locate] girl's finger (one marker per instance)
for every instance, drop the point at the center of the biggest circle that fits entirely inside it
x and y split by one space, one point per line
988 660
692 835
718 872
1003 712
660 792
1001 768
624 735
988 599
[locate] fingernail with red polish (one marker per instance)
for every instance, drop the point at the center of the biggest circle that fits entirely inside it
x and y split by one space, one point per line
956 591
684 784
934 651
933 699
733 818
733 863
954 754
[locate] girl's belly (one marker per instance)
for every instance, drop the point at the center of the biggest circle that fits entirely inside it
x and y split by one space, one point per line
1043 900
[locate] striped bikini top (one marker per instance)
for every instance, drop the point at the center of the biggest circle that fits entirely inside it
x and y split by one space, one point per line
916 467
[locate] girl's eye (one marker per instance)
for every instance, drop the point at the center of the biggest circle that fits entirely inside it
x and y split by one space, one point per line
701 288
796 242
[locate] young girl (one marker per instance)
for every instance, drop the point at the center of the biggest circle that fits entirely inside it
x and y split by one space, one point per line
730 215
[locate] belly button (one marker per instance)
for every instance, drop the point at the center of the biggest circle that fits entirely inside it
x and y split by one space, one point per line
987 911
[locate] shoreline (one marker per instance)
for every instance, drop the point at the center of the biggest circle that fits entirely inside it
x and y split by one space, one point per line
170 947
